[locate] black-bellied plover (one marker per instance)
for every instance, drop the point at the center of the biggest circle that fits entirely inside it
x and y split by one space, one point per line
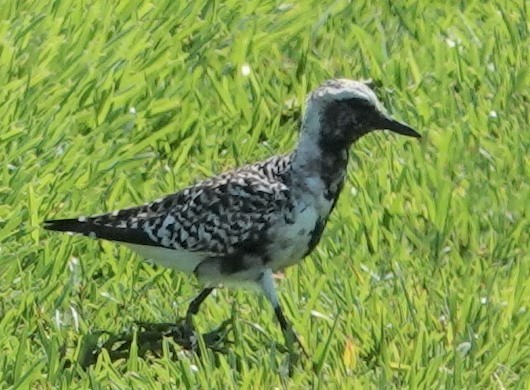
245 224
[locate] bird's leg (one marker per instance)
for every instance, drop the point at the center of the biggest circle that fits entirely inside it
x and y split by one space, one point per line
183 332
212 338
266 282
193 308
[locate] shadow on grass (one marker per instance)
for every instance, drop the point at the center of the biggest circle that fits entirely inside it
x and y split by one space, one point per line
149 341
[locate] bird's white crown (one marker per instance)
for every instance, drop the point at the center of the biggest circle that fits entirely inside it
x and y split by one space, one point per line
341 89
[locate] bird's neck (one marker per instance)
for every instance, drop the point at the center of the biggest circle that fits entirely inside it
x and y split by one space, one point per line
319 166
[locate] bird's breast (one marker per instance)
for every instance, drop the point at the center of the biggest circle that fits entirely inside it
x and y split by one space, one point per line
295 239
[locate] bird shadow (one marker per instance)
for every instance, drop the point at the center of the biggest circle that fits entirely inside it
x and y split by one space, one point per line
148 340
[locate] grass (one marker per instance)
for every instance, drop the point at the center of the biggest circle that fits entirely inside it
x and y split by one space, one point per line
421 279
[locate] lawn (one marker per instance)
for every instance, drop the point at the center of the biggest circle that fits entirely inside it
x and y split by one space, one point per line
422 278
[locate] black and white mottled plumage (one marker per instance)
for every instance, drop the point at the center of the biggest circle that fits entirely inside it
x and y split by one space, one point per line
245 224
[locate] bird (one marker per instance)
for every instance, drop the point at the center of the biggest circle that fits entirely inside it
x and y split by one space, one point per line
244 225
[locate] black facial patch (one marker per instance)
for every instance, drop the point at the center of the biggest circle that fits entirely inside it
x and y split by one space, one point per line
343 121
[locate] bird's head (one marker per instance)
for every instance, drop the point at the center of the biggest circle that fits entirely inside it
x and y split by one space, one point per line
344 110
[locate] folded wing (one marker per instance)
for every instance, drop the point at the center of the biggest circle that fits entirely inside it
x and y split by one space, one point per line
217 216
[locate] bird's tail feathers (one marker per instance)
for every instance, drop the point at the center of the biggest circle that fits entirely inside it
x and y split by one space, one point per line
90 227
73 225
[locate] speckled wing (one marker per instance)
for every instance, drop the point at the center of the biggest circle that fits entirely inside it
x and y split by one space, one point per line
216 217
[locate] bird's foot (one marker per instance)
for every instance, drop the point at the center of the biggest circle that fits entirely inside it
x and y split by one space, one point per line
294 348
292 342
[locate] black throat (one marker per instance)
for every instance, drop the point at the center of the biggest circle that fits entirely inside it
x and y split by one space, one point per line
333 164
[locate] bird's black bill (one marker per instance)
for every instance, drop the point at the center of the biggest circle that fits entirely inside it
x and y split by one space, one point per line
397 127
